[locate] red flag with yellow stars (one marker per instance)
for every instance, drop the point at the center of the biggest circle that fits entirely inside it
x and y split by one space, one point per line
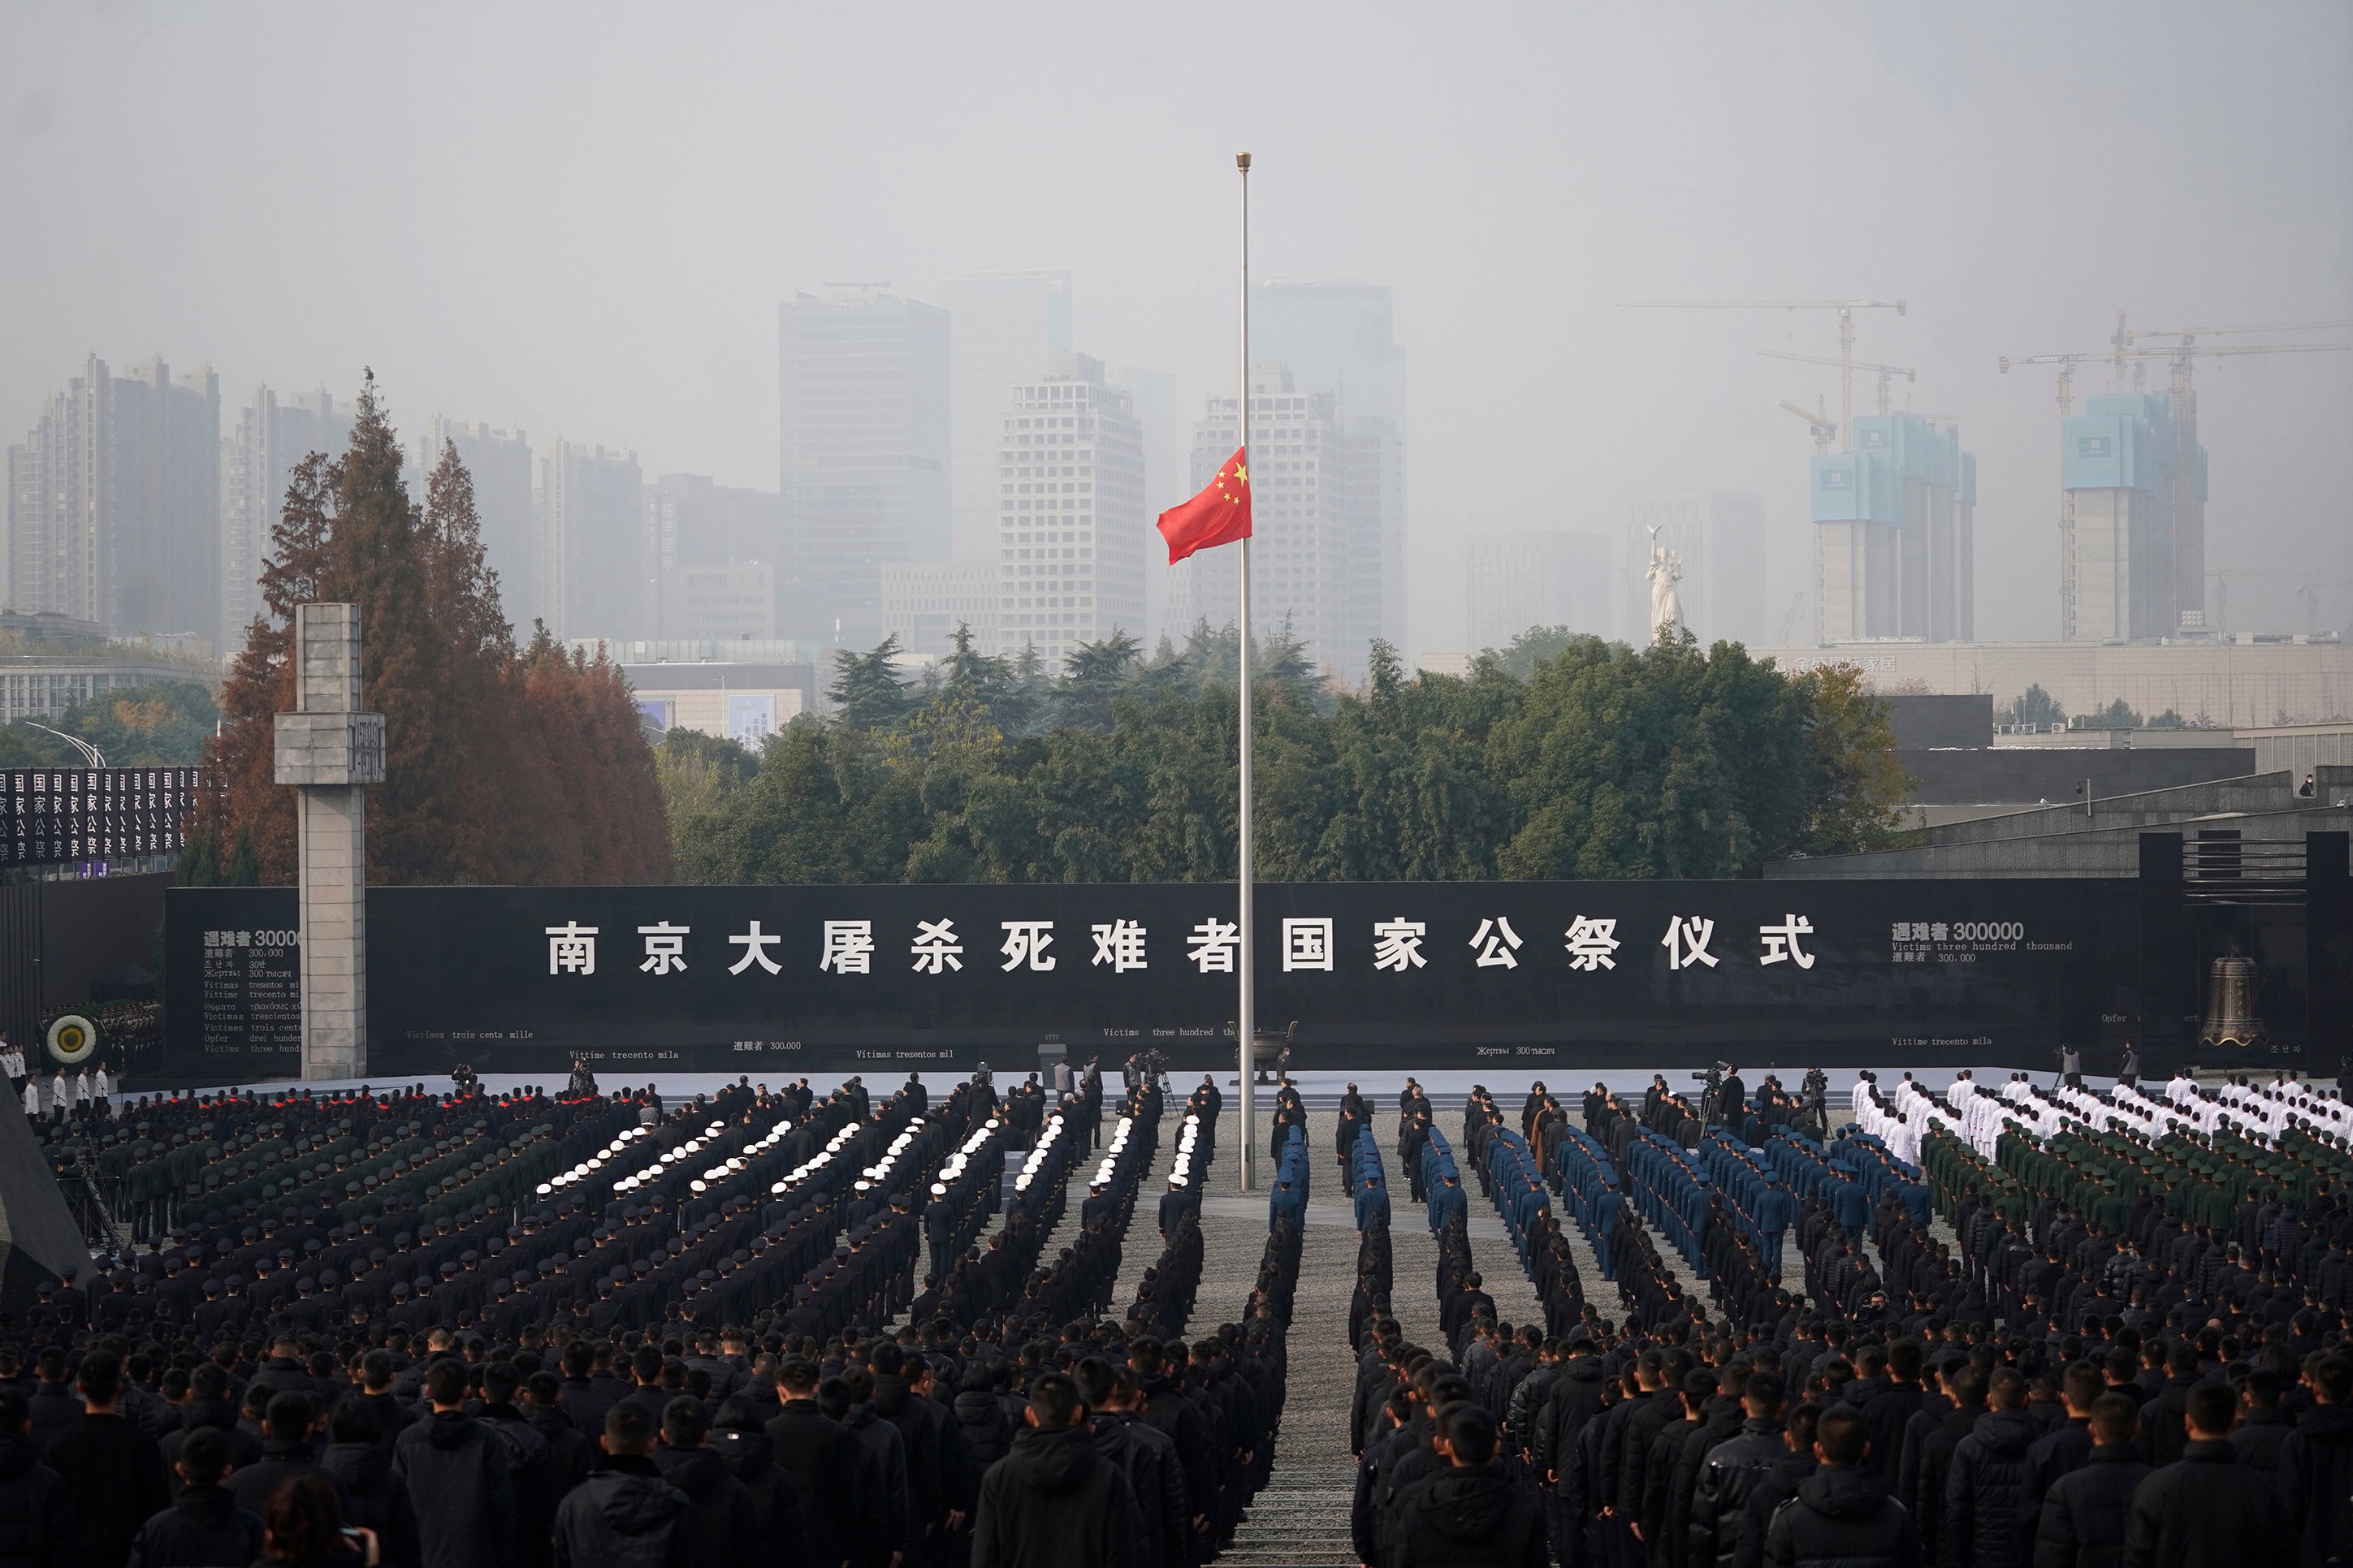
1220 514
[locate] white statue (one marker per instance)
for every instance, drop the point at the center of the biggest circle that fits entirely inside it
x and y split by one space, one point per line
1666 569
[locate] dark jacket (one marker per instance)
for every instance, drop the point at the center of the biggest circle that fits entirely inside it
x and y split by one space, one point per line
114 1473
205 1529
1988 1510
723 1506
2315 1477
39 1527
626 1516
841 1508
750 1458
1147 1457
1885 1414
988 1430
1728 1476
2082 1519
456 1470
2207 1508
571 1458
376 1499
532 1482
1469 1517
1842 1516
283 1460
1055 1502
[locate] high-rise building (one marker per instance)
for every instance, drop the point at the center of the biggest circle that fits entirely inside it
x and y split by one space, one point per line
1301 575
2132 544
1340 338
597 553
865 456
1167 471
924 602
499 464
257 458
114 503
1538 578
1720 537
1070 520
1003 330
727 601
1893 533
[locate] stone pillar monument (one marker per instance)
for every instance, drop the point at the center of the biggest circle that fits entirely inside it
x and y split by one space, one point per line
329 752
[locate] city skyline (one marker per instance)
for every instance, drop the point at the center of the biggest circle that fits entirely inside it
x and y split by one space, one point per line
1486 175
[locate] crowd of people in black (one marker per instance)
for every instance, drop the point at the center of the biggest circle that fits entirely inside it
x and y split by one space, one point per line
1998 1404
773 1328
765 1328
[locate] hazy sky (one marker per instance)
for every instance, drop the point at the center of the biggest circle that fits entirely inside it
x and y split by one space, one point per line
579 218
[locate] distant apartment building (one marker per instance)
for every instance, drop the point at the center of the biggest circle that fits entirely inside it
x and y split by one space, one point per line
1003 328
1302 575
2132 530
1071 534
924 602
273 434
499 463
597 550
864 451
113 503
1894 537
1719 536
1538 578
728 600
1340 337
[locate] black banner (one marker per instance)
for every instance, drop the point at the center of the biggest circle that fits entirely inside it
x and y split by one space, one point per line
776 981
61 815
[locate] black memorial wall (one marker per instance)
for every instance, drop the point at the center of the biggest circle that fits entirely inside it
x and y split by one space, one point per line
775 981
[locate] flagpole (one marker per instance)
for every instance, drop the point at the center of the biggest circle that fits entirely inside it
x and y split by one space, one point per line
1246 1026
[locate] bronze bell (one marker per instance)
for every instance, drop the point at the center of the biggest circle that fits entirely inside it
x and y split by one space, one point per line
2231 1016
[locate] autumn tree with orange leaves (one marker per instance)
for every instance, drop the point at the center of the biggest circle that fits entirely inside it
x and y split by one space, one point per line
501 764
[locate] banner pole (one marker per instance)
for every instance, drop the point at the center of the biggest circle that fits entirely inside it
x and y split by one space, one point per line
1246 1025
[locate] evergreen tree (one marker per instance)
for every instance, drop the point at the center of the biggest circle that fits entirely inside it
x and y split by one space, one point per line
867 693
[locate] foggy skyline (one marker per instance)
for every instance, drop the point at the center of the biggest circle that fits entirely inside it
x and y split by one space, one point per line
581 222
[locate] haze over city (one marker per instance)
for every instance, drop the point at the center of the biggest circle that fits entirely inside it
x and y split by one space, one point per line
581 221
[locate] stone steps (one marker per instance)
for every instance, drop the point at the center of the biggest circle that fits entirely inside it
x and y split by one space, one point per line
1293 1529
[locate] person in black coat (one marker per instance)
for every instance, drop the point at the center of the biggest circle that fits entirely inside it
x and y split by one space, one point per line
571 1456
1471 1513
723 1506
39 1527
113 1470
2082 1519
1988 1510
2316 1473
1147 1456
1055 1501
286 1430
1841 1513
2206 1507
626 1515
840 1497
204 1528
455 1472
376 1499
745 1450
1732 1471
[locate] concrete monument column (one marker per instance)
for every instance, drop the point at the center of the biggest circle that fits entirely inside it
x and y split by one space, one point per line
329 752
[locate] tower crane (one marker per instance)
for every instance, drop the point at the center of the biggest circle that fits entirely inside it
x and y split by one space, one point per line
2185 414
1845 308
1824 431
1886 371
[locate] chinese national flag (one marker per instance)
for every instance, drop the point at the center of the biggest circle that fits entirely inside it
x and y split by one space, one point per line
1219 515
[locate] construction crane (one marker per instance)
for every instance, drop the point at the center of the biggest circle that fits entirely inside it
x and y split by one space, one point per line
1886 371
1824 431
2305 589
2066 363
1845 308
1790 619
